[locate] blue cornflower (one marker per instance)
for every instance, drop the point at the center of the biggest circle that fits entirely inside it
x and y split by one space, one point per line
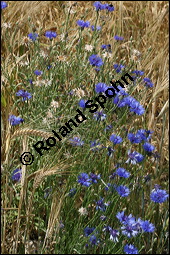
99 116
72 192
108 186
106 47
33 36
98 28
82 103
30 81
37 72
88 231
84 179
101 87
26 95
114 235
147 226
116 139
118 38
130 249
118 68
94 177
148 147
158 195
99 6
3 5
147 82
101 205
50 34
83 24
110 151
76 141
95 60
138 72
134 138
129 230
142 134
107 229
16 175
15 120
122 172
121 217
134 157
136 107
123 191
49 67
109 7
94 145
93 240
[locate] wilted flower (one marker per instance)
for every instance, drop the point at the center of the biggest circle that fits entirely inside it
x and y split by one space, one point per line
83 211
89 47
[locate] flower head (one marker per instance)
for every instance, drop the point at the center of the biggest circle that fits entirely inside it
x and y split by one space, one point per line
83 211
76 141
88 231
134 157
114 235
3 5
33 36
24 94
130 249
101 87
82 103
97 28
99 116
134 138
118 68
118 38
95 60
116 139
94 177
16 175
148 147
123 191
37 72
122 172
15 120
50 34
158 195
100 205
147 82
147 226
84 179
99 6
110 7
83 24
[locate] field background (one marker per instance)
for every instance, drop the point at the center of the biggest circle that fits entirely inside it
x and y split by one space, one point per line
144 25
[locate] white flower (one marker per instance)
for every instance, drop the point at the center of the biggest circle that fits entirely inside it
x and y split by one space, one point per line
49 115
89 47
83 211
54 104
107 55
6 25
